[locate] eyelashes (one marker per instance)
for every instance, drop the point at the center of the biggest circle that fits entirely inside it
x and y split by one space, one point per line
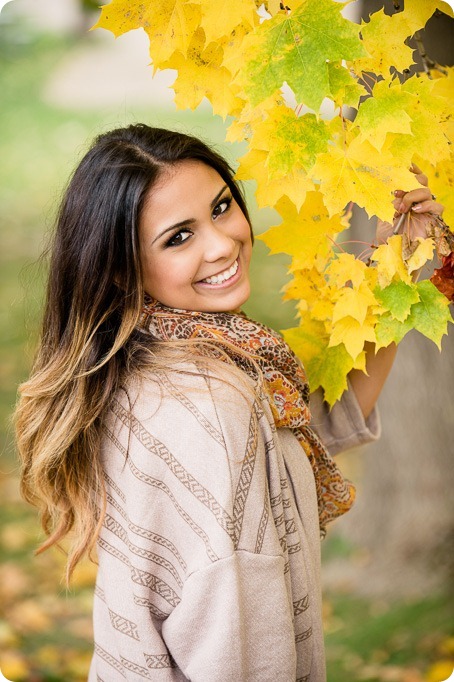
177 238
227 201
184 233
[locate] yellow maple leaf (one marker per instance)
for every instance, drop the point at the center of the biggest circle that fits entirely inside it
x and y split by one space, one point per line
354 303
292 141
303 234
360 362
308 340
423 253
273 6
352 334
201 74
428 112
232 45
220 18
322 309
356 171
346 268
308 285
397 28
441 182
294 185
170 24
242 126
390 264
444 84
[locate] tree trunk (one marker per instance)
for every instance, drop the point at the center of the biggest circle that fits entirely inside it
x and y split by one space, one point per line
404 514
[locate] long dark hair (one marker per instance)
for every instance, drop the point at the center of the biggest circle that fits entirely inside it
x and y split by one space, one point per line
88 339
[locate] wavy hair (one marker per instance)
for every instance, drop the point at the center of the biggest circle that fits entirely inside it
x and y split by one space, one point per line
89 339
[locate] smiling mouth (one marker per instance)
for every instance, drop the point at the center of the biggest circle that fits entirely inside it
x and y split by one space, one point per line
222 276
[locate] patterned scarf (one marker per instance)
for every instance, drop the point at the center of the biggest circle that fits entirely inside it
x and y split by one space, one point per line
284 383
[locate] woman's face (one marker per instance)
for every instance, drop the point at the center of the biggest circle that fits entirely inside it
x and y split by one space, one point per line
195 242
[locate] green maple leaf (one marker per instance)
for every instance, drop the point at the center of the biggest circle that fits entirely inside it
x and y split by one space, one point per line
398 298
297 48
389 330
290 140
431 314
329 370
385 112
344 89
325 366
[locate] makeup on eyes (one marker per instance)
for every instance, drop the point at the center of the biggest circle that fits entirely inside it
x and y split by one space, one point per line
171 241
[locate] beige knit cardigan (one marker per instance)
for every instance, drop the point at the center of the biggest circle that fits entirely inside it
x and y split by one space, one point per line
209 556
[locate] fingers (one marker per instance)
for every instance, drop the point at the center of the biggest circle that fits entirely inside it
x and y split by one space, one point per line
405 200
421 178
429 206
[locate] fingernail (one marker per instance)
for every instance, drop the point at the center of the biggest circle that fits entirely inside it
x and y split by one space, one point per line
396 192
416 207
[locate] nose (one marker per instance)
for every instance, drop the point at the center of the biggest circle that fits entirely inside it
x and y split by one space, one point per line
217 244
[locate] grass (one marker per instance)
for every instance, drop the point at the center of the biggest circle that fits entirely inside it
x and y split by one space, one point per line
373 640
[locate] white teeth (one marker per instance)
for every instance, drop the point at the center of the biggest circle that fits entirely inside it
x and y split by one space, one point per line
223 276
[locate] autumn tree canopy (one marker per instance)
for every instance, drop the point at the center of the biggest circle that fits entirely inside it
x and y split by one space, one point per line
310 165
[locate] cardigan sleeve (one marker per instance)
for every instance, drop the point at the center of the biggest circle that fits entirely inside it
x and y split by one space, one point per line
343 427
221 630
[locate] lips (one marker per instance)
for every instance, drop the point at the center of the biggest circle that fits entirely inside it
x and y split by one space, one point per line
223 276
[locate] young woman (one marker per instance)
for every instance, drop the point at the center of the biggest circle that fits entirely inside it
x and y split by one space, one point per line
163 424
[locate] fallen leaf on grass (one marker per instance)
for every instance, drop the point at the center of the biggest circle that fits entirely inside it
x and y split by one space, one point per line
29 616
13 666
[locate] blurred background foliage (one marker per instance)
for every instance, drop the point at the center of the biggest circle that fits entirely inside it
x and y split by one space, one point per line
61 86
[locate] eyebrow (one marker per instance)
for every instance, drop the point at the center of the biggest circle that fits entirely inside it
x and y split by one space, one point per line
189 221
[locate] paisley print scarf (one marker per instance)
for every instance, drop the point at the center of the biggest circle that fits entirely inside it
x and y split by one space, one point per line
284 383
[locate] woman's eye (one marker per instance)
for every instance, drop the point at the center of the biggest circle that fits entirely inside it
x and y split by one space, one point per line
222 207
179 238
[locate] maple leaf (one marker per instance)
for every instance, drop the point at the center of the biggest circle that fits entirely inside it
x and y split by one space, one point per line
423 252
294 185
242 126
201 74
353 170
397 298
390 264
303 234
273 6
353 334
170 24
296 48
390 330
428 112
291 140
343 86
354 303
384 112
441 182
325 366
443 278
220 18
346 268
329 369
430 315
392 52
307 284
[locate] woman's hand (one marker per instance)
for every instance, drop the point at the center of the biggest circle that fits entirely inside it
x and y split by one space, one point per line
415 212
